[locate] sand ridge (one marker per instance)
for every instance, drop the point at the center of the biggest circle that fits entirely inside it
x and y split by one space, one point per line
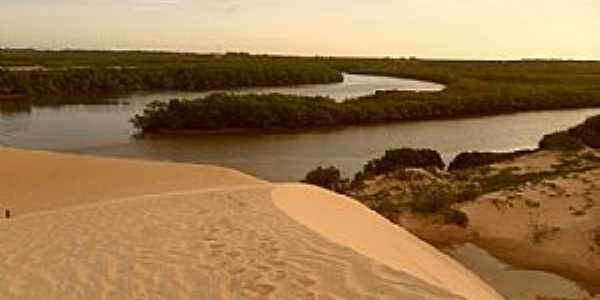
38 180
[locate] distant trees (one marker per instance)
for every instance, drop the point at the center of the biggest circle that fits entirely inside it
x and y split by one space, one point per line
474 88
475 94
77 73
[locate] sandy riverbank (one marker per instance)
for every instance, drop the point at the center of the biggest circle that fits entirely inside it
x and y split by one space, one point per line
551 225
555 224
91 228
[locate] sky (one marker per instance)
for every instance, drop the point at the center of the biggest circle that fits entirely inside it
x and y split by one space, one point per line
482 29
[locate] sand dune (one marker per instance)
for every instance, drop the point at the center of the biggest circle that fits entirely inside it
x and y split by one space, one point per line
34 181
88 228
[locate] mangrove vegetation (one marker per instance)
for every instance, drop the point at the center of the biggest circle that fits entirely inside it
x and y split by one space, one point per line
473 89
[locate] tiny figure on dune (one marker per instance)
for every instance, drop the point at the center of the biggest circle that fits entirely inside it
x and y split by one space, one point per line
7 213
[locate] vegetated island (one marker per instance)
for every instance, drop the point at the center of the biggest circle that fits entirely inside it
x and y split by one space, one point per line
473 89
542 202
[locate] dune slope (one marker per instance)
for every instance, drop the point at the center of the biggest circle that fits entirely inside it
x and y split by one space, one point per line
116 229
350 223
35 181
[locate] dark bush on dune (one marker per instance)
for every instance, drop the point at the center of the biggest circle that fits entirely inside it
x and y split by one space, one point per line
329 178
561 141
457 217
439 198
404 158
588 132
576 138
433 198
468 160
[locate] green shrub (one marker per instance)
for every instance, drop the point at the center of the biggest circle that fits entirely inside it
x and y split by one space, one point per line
453 216
467 160
542 232
588 136
576 138
507 179
467 192
532 204
403 158
329 178
432 198
438 199
388 207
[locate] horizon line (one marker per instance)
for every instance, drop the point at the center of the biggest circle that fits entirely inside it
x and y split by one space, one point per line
291 54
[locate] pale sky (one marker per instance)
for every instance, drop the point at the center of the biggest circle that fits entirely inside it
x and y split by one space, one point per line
399 28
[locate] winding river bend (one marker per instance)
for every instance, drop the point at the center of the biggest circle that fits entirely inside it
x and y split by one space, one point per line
104 130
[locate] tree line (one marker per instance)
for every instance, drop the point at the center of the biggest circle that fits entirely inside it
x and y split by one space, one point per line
76 73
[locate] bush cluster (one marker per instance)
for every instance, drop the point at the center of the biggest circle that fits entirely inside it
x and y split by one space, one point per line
467 160
328 178
560 141
404 158
588 132
439 198
576 138
397 159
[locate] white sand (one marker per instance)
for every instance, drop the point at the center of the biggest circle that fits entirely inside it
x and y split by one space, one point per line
91 228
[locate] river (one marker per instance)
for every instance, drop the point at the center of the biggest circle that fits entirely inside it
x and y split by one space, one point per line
104 130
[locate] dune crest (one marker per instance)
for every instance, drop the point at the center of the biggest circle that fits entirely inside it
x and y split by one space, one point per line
347 222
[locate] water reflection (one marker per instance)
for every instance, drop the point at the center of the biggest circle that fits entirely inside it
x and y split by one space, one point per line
513 283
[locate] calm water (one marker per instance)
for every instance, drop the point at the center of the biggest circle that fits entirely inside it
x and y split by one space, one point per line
513 283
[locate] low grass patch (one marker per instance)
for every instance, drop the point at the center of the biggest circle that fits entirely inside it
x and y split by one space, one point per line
542 232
